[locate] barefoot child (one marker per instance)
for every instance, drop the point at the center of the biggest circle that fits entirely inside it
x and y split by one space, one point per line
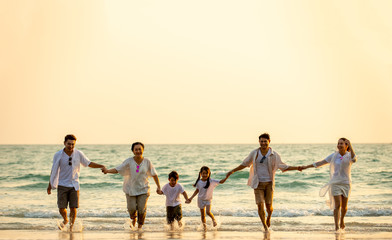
205 187
172 192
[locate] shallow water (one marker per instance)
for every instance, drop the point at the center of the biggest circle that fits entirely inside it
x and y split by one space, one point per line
24 203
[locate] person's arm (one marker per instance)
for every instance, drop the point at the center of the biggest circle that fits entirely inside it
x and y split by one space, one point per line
293 168
193 195
316 164
239 168
156 179
96 165
353 156
106 171
49 189
185 196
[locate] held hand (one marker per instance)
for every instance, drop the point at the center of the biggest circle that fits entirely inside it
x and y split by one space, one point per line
223 180
159 191
188 201
104 170
300 168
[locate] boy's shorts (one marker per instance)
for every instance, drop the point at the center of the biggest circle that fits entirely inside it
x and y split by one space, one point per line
173 213
264 193
65 195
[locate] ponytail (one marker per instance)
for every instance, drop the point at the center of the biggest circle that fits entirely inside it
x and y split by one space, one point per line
204 168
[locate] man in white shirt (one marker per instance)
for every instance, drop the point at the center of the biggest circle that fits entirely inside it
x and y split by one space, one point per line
65 177
263 163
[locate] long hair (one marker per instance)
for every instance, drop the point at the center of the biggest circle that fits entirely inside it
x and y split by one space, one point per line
204 168
345 139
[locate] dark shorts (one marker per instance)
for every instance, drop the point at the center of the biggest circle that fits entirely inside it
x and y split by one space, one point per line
67 195
173 213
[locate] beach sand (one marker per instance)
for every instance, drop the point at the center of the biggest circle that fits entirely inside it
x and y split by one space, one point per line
96 235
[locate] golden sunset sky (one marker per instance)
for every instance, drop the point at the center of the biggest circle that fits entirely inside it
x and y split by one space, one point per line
114 72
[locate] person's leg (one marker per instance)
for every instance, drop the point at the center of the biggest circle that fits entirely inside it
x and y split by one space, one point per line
203 218
141 205
268 196
72 218
178 214
336 211
343 211
62 203
209 213
260 211
170 216
259 198
63 213
131 206
73 205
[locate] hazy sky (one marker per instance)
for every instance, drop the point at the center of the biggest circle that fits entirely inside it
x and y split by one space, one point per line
195 71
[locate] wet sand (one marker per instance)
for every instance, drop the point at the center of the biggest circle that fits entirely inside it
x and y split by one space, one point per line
96 235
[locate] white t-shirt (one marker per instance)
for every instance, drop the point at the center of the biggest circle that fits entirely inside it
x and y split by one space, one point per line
172 194
262 168
65 175
205 194
136 176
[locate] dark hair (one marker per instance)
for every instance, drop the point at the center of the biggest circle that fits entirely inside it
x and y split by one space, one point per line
136 143
344 140
174 175
69 137
204 168
265 135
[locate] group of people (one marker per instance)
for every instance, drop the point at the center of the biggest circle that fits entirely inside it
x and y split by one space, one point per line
263 163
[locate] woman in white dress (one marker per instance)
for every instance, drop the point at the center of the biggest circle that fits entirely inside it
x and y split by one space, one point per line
339 186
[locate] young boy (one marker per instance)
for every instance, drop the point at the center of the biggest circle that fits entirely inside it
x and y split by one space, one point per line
172 192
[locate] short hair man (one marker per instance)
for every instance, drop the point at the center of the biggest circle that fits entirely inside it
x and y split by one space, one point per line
65 177
263 163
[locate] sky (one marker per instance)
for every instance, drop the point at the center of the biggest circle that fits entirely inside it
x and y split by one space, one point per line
205 72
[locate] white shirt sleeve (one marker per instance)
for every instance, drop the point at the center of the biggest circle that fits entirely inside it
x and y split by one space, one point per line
182 190
123 168
151 170
248 161
83 159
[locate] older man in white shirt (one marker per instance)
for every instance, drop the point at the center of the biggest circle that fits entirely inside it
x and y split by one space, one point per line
65 177
263 163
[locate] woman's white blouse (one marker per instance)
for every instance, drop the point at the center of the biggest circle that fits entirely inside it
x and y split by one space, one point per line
136 182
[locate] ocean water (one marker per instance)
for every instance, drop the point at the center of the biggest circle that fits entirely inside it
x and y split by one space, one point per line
25 169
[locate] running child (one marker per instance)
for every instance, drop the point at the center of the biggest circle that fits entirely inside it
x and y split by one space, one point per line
172 192
205 187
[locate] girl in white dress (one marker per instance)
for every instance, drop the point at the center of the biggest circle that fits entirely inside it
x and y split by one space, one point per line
205 187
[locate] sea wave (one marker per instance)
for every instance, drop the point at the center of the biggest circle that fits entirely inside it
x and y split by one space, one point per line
160 212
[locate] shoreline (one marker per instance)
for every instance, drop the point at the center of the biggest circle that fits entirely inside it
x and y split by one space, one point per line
87 235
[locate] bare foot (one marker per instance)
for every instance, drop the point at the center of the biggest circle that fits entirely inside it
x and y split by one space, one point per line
266 229
342 225
133 222
337 228
70 227
204 227
62 225
214 223
179 224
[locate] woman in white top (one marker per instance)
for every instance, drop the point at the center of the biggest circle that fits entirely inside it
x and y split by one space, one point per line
339 186
136 170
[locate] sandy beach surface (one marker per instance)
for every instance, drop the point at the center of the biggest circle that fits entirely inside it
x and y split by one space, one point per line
87 235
